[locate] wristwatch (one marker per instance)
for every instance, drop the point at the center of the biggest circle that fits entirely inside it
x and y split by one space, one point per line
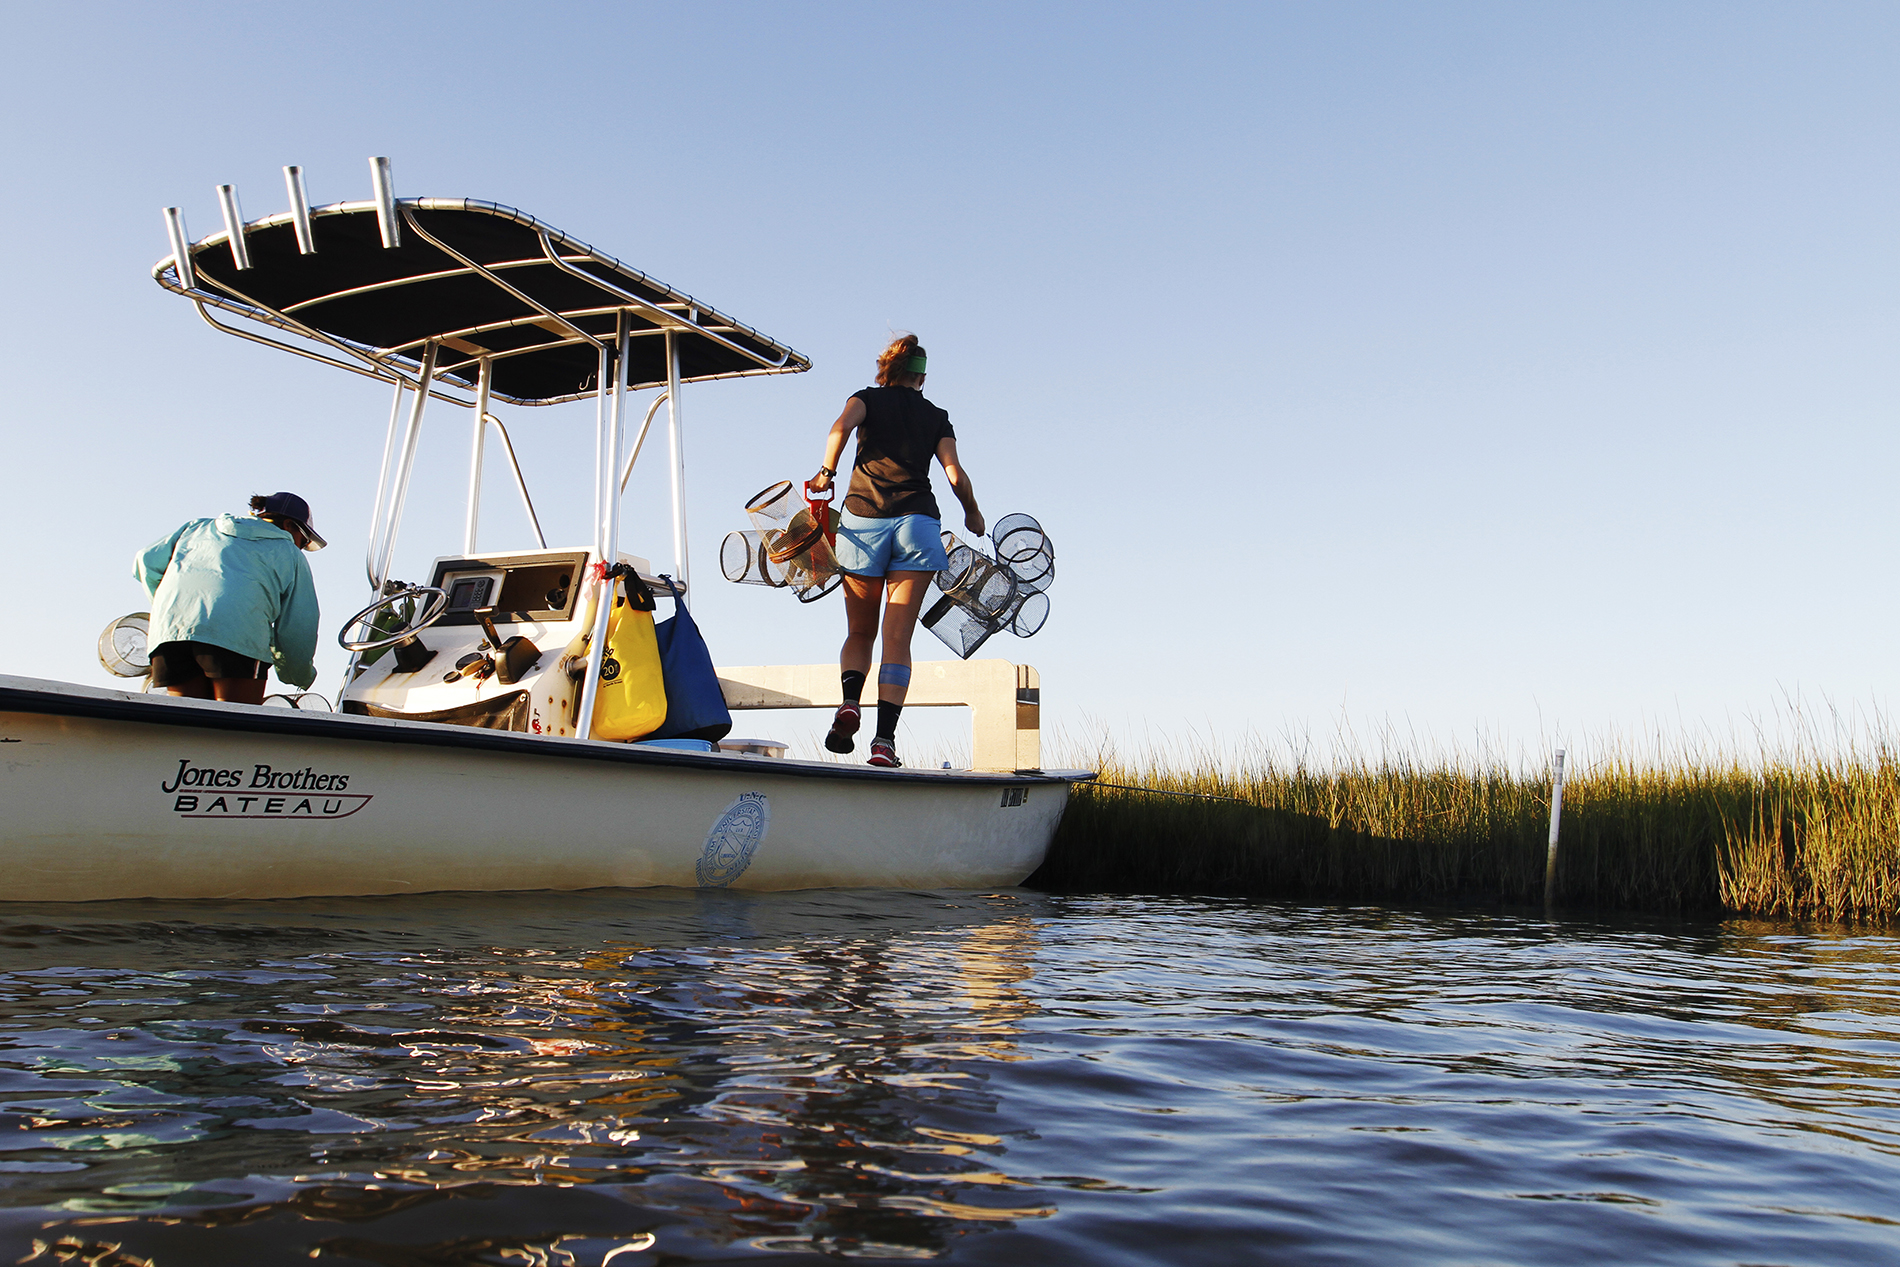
827 472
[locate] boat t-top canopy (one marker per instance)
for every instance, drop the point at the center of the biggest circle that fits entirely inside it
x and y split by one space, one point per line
386 280
431 294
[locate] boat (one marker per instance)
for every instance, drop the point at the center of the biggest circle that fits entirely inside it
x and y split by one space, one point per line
464 749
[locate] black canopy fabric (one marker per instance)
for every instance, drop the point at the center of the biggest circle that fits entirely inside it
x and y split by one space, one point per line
387 303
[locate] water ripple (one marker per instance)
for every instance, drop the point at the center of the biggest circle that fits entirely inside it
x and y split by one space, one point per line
1000 1078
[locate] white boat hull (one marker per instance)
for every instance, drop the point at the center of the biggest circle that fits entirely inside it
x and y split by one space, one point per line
107 794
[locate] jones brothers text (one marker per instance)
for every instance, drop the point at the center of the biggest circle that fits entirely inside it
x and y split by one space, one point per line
259 778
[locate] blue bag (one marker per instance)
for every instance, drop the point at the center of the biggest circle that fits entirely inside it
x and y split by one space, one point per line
695 706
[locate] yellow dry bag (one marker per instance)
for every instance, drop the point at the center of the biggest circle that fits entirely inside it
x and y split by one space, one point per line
632 697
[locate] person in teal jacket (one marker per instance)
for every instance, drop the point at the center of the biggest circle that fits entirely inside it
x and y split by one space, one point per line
230 598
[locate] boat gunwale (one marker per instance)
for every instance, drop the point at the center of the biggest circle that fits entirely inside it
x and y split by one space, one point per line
93 703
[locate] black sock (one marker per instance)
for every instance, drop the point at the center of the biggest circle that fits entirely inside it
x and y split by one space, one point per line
853 685
887 719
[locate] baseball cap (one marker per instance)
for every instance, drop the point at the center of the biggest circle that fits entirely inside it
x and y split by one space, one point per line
292 507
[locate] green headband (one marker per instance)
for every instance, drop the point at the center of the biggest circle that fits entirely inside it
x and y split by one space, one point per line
916 365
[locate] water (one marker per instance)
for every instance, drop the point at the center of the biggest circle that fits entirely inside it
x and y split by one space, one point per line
670 1077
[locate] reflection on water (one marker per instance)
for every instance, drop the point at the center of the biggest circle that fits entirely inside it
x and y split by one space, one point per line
649 1077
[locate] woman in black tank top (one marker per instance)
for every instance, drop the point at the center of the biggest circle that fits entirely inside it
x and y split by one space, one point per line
888 539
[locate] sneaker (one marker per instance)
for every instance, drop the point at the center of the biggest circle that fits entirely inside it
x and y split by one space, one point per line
884 752
843 726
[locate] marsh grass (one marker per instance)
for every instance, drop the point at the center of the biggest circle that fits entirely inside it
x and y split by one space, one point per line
1802 836
1821 840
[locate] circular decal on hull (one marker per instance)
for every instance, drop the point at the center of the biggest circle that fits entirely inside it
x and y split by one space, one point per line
733 837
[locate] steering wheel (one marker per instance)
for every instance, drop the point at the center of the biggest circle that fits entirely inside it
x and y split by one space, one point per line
429 616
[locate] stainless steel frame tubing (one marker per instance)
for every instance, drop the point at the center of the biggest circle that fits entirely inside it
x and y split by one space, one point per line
604 468
400 490
382 488
641 439
654 312
285 322
674 426
522 295
380 373
612 491
521 481
475 457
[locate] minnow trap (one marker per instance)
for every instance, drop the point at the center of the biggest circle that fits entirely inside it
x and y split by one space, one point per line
976 595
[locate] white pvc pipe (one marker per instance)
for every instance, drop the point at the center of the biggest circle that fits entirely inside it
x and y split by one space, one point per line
1556 815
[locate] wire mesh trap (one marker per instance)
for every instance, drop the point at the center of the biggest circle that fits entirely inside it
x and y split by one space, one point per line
122 646
787 547
977 595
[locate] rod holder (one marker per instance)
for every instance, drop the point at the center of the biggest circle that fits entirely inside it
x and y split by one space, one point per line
385 203
234 226
181 248
300 210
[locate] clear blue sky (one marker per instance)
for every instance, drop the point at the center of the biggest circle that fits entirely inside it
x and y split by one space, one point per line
1515 370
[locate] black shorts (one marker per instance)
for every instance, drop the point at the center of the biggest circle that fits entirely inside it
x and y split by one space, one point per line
176 663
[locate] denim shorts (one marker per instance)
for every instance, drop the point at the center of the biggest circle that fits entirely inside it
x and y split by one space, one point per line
875 547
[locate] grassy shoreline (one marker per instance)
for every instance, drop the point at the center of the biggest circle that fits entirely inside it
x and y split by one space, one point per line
1812 839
